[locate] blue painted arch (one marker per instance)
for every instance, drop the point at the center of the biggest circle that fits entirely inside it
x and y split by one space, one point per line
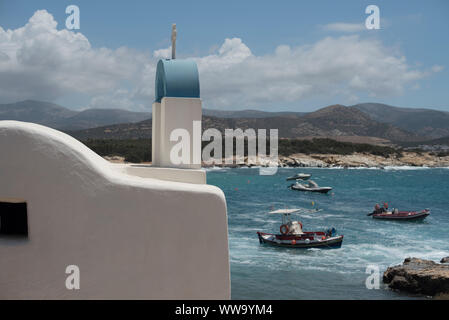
176 78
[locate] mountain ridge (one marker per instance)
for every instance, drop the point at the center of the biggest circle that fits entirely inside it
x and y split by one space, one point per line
59 117
379 121
332 121
426 122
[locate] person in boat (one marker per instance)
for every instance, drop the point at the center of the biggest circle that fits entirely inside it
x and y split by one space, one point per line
378 209
295 228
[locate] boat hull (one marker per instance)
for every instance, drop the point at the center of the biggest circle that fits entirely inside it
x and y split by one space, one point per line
305 189
291 241
403 215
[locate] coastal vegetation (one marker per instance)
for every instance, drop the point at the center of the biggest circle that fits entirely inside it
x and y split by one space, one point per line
139 150
133 150
330 146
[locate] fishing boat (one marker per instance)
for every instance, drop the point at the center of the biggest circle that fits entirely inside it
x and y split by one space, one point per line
401 215
311 186
292 236
299 176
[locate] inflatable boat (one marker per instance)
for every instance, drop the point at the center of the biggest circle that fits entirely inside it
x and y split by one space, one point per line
299 176
311 187
401 215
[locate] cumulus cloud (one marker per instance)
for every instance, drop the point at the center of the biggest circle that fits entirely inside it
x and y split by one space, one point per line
346 66
162 53
45 63
38 61
437 68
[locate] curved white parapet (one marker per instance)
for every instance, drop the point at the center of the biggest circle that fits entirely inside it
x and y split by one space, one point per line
131 237
197 176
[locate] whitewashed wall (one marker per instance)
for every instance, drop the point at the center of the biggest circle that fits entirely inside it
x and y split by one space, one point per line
131 237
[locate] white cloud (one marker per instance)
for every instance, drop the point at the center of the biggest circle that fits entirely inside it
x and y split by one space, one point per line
118 99
345 27
46 63
38 61
346 66
437 68
162 53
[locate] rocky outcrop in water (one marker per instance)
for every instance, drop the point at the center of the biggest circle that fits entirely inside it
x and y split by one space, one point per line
363 160
418 276
445 260
355 160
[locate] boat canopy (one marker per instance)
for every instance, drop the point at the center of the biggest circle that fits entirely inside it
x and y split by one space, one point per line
284 211
290 211
312 184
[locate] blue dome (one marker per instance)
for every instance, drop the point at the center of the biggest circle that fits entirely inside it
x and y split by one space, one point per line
177 78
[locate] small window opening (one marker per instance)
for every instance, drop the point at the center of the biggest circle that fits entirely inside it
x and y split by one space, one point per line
13 218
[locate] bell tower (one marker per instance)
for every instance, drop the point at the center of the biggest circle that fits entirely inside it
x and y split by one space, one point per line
177 105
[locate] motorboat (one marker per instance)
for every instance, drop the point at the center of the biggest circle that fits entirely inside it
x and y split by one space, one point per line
299 176
400 215
292 236
311 186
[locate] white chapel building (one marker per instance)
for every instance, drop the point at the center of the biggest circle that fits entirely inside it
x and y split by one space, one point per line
131 231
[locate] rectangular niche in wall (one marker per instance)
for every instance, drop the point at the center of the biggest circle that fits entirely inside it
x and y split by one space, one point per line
13 218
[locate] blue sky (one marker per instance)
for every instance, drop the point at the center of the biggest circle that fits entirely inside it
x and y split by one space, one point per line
413 34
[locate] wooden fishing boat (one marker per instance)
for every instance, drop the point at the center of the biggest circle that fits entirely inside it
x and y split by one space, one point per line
292 236
307 240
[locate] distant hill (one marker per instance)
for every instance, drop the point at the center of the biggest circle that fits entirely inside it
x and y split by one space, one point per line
92 118
367 122
444 141
58 117
339 120
333 121
35 111
250 114
424 122
139 130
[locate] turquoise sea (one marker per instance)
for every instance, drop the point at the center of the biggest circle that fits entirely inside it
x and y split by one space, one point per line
263 272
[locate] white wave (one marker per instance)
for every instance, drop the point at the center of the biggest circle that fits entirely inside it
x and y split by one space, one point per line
384 168
334 168
350 168
246 167
364 168
216 168
406 168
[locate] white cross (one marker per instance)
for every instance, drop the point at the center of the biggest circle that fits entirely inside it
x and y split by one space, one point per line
173 41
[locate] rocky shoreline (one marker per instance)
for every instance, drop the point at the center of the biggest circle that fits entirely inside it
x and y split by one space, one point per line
412 159
419 276
356 160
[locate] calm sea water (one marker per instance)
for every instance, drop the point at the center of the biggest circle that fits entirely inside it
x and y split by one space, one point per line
263 272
